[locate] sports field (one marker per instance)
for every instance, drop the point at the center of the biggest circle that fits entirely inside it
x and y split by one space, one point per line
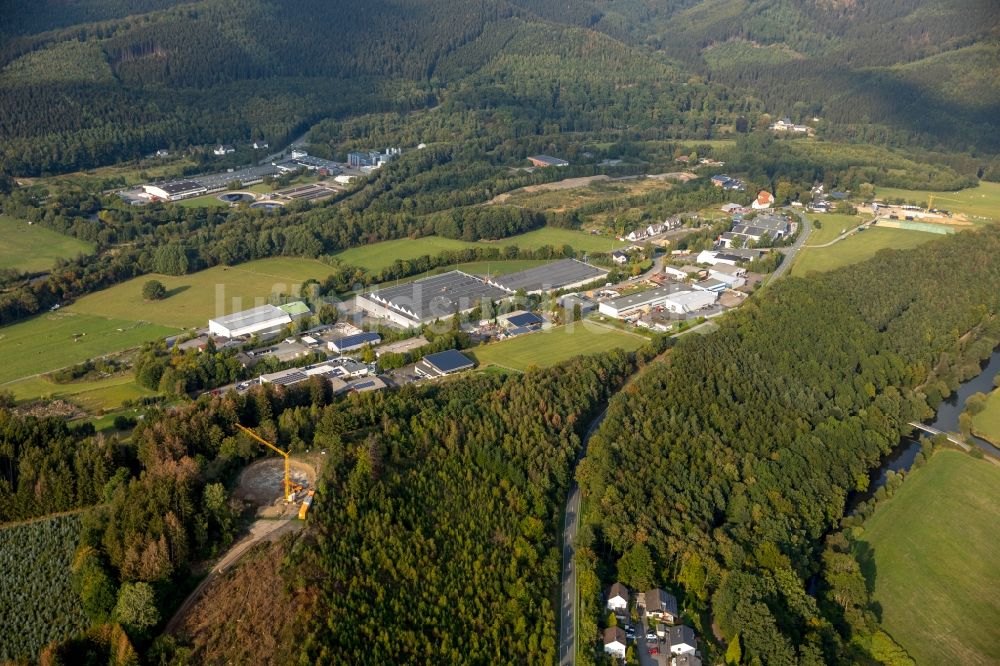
936 571
194 299
33 249
857 248
555 345
58 339
92 396
980 203
986 424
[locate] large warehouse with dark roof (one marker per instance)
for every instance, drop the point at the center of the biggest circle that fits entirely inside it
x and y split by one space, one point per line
564 274
435 297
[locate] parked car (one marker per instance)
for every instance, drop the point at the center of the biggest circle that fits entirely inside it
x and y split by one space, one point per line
654 650
651 636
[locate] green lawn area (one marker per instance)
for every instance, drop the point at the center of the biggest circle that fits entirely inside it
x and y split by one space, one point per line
58 339
833 224
92 396
555 345
936 571
194 299
982 201
857 248
206 201
986 424
33 249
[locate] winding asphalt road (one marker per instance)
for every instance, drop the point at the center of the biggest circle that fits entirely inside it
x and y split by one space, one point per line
568 593
792 249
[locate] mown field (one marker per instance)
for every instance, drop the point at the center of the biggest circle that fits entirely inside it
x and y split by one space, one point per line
857 248
555 345
986 424
91 395
57 339
981 203
33 249
37 600
936 571
194 299
832 225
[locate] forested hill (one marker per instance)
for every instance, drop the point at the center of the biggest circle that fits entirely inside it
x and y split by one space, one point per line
96 81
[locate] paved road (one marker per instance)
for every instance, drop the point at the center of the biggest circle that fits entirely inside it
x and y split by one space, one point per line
568 593
793 249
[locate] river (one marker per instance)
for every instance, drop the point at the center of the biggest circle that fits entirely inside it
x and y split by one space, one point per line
946 420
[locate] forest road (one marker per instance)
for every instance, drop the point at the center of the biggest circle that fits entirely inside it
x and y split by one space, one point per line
567 594
259 531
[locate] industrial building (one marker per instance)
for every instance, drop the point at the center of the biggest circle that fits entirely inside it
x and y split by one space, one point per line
372 159
443 363
563 274
436 297
263 321
176 190
353 342
547 161
686 302
672 297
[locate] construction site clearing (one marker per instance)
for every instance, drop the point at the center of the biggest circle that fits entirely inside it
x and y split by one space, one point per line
261 484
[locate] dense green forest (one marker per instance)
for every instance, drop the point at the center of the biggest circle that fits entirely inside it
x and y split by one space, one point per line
723 469
114 80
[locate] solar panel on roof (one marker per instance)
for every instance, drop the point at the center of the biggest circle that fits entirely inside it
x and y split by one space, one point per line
448 361
525 319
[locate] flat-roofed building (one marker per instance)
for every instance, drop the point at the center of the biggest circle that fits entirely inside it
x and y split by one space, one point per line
690 301
547 161
436 297
624 306
444 363
176 190
564 274
353 342
263 321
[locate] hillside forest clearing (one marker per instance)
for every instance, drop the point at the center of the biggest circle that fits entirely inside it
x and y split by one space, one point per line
857 248
930 553
555 345
31 248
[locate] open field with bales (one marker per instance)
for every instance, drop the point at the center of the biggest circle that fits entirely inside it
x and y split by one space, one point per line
856 248
194 299
57 339
981 204
930 552
986 424
33 249
555 345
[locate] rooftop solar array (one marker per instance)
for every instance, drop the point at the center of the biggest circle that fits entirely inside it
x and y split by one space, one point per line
525 319
451 360
351 341
439 296
550 276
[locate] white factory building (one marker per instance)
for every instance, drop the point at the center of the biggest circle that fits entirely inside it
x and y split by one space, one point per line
674 297
176 190
263 321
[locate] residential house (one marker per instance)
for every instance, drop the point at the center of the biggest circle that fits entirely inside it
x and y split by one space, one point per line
687 659
618 596
655 228
720 180
819 207
636 235
682 639
661 605
260 144
764 200
614 642
163 152
619 257
223 149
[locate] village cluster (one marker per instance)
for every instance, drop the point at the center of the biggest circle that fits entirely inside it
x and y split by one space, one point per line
652 622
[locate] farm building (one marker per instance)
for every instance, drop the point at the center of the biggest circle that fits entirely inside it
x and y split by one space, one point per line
547 161
423 301
443 363
176 190
263 321
353 342
564 274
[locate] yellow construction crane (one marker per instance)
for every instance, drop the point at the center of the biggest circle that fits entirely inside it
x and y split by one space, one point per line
284 454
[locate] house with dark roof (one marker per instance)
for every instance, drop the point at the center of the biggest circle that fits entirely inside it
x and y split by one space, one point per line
661 605
615 642
618 596
681 639
687 659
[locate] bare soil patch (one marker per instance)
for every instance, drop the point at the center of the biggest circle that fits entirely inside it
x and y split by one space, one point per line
262 483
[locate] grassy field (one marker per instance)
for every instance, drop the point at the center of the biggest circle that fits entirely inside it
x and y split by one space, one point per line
555 345
91 396
936 572
377 256
857 248
980 203
833 224
33 249
55 340
986 424
194 299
